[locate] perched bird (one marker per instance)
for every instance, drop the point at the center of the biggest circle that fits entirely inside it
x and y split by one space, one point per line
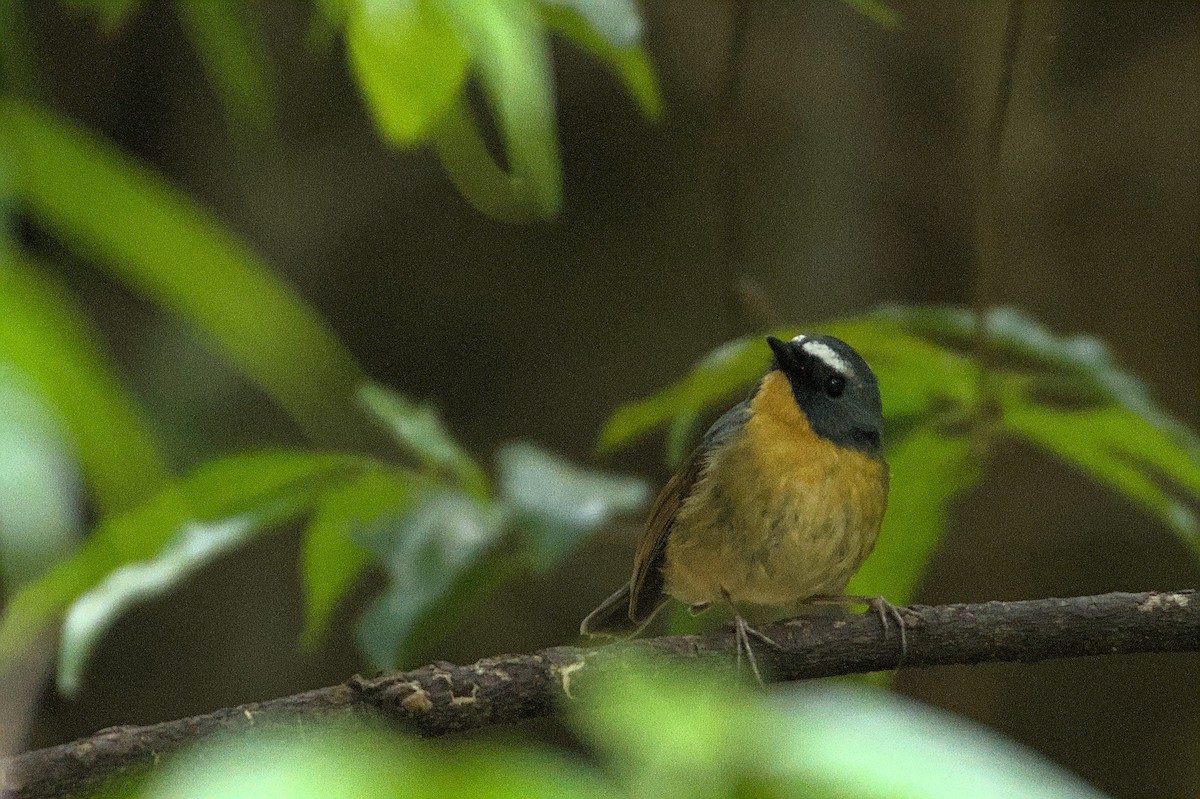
779 505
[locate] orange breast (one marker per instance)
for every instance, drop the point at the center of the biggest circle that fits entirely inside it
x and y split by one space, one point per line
780 515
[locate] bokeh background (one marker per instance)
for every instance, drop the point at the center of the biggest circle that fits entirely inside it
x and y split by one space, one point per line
833 167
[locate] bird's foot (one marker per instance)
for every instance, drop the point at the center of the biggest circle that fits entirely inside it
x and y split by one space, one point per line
742 634
886 611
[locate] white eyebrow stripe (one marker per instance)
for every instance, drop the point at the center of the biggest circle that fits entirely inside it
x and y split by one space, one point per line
799 339
827 354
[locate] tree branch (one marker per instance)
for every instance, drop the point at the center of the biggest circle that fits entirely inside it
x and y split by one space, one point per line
442 698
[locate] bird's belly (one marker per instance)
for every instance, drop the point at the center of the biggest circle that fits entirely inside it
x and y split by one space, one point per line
775 536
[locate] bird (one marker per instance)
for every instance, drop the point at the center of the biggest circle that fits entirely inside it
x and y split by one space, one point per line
777 507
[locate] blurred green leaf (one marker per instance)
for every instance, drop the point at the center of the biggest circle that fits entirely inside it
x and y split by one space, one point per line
610 32
424 552
409 64
1122 450
816 749
719 374
929 469
244 484
112 14
876 11
558 503
355 760
668 732
420 432
470 167
92 614
916 376
44 334
153 237
330 557
617 22
508 46
41 499
115 542
1081 364
234 57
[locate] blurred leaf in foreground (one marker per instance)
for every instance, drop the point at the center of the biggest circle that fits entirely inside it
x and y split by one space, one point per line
412 60
611 32
356 760
668 733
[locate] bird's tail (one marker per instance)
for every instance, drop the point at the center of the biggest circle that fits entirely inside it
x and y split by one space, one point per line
613 617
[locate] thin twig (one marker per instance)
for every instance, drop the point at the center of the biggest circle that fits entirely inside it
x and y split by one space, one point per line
987 249
443 698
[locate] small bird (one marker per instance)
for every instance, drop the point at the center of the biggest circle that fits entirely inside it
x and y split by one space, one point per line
778 507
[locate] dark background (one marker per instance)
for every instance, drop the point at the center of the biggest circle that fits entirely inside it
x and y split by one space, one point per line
845 176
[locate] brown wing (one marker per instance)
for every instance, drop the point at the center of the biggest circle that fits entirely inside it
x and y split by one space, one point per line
646 587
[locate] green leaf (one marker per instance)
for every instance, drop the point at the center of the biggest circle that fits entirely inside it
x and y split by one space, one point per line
508 46
617 22
45 335
722 372
420 432
158 241
668 732
41 502
1120 449
352 759
222 489
330 557
558 503
469 165
1080 366
92 614
815 748
409 64
424 551
133 535
928 470
611 33
234 58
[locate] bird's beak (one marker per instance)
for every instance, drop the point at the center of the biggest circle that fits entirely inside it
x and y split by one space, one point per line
785 359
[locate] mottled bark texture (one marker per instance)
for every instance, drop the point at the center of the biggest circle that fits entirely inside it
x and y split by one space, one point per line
442 697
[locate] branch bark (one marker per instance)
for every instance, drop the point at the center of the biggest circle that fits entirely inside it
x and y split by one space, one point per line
442 698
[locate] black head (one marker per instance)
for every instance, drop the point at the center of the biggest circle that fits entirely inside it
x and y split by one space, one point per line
835 389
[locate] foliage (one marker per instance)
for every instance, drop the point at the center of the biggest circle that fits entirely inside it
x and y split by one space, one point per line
1066 396
657 734
428 532
413 60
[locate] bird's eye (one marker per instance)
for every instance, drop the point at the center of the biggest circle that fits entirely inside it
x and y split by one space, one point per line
835 385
